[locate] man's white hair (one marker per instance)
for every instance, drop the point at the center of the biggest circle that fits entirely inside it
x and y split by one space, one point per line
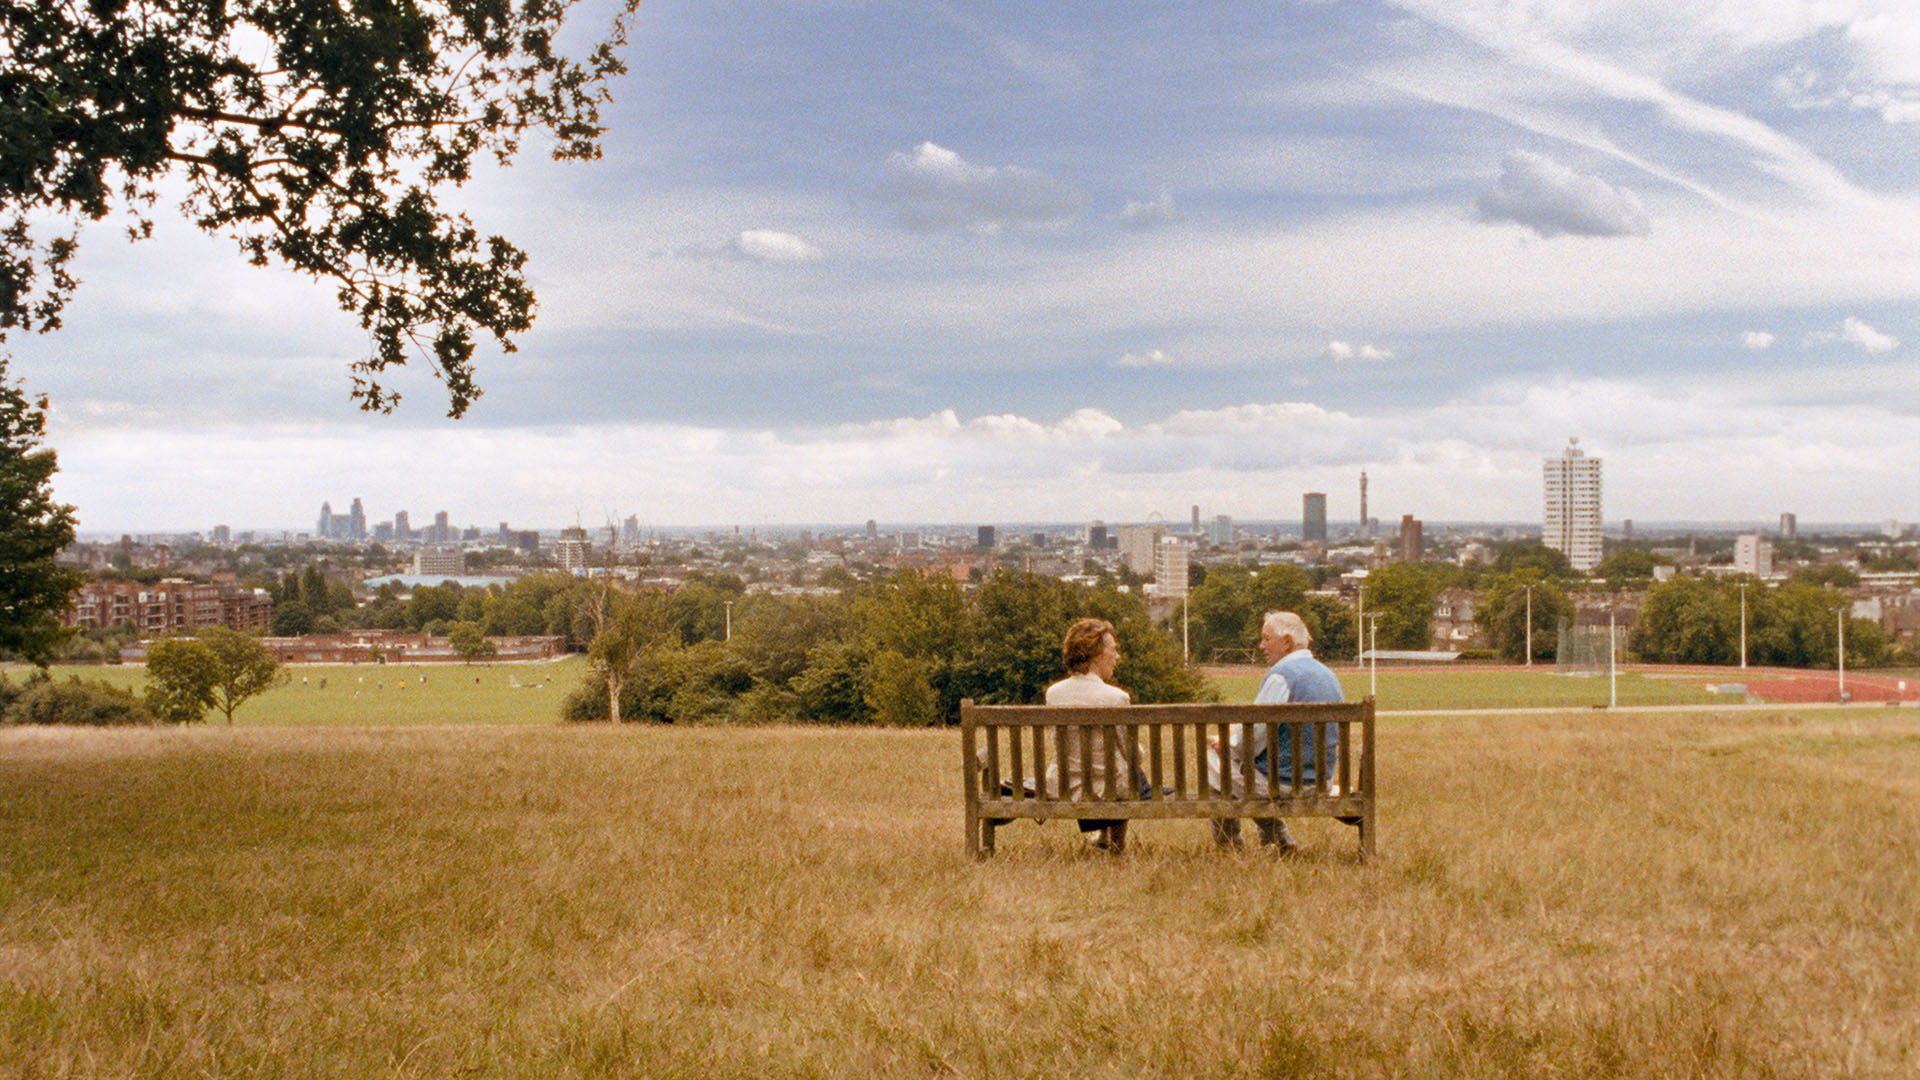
1287 624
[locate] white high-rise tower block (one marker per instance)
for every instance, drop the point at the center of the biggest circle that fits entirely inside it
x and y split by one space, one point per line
1572 524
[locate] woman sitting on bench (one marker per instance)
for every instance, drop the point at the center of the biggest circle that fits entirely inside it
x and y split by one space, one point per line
1091 653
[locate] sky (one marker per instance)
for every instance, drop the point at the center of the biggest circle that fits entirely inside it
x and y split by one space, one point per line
978 262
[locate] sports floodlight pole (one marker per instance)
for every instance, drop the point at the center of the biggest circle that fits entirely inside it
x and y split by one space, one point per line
1743 626
1360 625
729 604
1840 617
1186 652
1529 589
1373 670
1613 670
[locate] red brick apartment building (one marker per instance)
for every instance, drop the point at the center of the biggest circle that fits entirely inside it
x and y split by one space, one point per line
169 607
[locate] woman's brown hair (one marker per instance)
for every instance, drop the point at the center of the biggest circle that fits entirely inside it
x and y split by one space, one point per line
1084 641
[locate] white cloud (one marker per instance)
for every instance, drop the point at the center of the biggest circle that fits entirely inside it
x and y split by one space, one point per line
1150 358
1757 340
935 188
1551 199
769 245
1853 331
1365 351
754 245
1147 215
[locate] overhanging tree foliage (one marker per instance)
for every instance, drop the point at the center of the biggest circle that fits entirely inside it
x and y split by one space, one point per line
34 528
320 134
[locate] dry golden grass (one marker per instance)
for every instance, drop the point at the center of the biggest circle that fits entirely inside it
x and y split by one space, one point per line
1570 895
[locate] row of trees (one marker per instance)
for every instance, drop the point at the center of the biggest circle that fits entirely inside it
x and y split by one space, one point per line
904 650
1684 620
1697 621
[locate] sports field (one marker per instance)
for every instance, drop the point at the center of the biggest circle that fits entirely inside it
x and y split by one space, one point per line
1564 895
1489 688
380 694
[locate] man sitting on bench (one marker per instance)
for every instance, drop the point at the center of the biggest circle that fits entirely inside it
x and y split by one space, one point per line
1294 677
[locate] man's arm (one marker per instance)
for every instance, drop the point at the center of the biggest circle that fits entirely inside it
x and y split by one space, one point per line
1273 691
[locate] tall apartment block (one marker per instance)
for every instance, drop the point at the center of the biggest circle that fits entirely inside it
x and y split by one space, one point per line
1572 520
1753 554
1412 545
1313 516
1789 527
1170 554
1137 545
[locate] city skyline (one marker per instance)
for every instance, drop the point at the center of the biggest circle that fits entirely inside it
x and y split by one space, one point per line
854 261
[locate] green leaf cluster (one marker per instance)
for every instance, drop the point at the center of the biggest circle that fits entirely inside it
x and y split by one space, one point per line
329 150
34 528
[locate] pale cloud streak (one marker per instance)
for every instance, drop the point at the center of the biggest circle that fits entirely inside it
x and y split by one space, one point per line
1855 332
933 187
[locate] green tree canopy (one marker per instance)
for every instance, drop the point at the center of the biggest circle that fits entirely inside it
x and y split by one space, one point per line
34 528
328 151
1502 614
1512 557
220 669
1403 596
1689 620
470 642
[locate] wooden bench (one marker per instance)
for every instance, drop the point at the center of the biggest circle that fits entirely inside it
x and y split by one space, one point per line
1008 748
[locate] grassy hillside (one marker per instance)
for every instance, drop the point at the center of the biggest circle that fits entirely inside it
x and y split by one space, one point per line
1568 895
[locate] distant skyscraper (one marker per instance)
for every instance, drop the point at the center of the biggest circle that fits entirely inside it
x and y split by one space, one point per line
1412 548
1366 528
1572 518
402 528
442 532
324 527
1789 527
984 536
1313 516
873 529
1222 532
1195 527
222 534
356 522
1097 535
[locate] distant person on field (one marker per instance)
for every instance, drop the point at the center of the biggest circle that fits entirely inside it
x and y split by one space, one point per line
1091 653
1294 677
